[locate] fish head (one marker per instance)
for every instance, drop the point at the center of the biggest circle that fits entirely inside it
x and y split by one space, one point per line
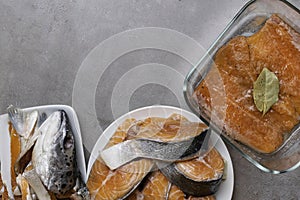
54 154
57 132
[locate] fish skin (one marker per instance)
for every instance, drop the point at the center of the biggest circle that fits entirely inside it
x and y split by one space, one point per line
202 188
54 157
123 153
198 177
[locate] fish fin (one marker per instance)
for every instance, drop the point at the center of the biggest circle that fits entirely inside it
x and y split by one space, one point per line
24 123
17 118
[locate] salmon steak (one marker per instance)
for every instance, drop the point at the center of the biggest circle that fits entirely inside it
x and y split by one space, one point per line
106 184
156 187
198 177
226 92
175 128
170 139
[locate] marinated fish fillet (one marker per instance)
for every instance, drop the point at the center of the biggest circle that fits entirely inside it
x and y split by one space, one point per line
236 66
107 184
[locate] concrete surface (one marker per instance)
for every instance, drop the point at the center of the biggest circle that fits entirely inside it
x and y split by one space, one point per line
44 42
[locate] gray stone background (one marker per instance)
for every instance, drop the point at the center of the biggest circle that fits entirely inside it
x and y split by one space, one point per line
44 42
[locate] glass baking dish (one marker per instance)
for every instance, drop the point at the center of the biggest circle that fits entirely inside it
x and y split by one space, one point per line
248 21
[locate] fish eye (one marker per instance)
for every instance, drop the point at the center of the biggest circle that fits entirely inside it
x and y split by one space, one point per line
68 141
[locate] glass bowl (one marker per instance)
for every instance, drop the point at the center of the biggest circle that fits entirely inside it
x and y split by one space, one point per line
249 20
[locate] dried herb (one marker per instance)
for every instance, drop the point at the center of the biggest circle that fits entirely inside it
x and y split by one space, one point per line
265 90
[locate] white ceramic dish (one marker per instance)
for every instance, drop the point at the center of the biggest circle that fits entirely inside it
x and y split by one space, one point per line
5 140
226 189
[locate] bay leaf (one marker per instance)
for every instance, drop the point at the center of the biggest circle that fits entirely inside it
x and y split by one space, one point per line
265 90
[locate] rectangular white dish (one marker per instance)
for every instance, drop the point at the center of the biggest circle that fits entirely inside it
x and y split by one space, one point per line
5 154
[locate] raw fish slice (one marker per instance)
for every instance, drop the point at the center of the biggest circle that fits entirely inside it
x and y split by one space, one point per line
197 177
107 184
121 133
127 151
135 195
175 193
104 183
157 187
99 170
147 128
171 139
174 128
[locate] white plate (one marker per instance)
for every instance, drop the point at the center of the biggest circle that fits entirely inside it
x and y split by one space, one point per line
226 188
5 154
